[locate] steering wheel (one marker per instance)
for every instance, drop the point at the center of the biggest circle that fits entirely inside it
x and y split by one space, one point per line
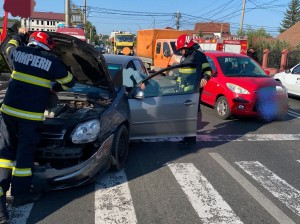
242 71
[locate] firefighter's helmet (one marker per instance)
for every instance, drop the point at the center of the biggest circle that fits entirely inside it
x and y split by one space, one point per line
42 40
184 41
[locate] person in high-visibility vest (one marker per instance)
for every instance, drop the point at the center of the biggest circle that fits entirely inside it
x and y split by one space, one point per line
34 70
191 53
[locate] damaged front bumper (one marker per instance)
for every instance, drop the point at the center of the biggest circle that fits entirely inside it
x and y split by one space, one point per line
46 178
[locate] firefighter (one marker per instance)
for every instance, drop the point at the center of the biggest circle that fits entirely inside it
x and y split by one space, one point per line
191 53
36 73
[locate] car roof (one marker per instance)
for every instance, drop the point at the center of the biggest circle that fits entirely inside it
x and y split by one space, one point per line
118 59
223 53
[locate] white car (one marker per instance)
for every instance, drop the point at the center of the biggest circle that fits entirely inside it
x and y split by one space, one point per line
290 78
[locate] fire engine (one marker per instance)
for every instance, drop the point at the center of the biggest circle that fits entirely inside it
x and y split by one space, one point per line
239 46
222 44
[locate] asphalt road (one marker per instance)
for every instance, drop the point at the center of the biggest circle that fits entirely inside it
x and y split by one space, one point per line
242 171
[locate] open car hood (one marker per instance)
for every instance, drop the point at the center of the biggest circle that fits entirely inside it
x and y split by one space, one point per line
86 63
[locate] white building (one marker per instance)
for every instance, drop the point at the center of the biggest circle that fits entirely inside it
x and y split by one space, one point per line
43 21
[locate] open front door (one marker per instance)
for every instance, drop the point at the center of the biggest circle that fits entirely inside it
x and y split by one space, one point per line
169 105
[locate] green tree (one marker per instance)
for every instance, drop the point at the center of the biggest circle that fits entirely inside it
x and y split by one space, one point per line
253 35
292 16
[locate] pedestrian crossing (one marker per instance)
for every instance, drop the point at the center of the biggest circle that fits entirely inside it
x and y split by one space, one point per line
278 187
114 203
207 202
232 138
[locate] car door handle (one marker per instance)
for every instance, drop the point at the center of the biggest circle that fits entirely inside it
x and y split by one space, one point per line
189 103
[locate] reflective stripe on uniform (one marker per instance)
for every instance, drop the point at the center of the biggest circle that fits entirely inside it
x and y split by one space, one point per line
187 70
65 80
205 65
5 163
22 113
188 88
1 191
21 172
7 49
207 73
23 77
13 42
64 87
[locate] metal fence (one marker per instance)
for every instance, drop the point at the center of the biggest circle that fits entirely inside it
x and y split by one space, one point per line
274 59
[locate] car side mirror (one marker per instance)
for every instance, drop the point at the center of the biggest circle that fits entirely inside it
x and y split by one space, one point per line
267 71
288 71
138 93
214 74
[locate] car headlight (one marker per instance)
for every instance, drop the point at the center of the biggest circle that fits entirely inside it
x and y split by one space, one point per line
237 89
86 132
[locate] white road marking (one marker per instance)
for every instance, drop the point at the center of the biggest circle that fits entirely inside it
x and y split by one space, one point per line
273 183
267 204
167 139
113 203
207 202
230 138
249 137
293 114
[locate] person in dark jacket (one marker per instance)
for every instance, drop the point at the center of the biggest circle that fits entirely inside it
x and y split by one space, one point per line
22 111
191 53
252 54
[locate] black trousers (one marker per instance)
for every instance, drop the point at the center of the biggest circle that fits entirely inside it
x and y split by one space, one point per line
18 141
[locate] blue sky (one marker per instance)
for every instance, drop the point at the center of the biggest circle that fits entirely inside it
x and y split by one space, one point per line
132 15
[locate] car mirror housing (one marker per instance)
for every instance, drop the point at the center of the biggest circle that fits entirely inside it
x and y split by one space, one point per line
267 71
138 93
214 74
288 71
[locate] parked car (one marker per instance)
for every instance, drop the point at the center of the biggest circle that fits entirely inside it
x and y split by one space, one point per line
240 87
88 130
123 67
101 49
290 78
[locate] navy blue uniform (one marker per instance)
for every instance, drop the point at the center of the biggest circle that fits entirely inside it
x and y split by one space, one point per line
203 69
27 96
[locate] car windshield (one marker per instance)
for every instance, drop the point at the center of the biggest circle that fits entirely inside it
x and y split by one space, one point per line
83 91
122 76
124 38
240 67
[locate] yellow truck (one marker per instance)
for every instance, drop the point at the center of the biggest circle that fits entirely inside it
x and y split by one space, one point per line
156 46
122 43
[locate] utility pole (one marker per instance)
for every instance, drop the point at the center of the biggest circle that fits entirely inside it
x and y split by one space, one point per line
67 13
178 16
242 17
84 18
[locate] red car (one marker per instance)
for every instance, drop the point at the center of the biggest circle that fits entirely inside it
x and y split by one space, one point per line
240 87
